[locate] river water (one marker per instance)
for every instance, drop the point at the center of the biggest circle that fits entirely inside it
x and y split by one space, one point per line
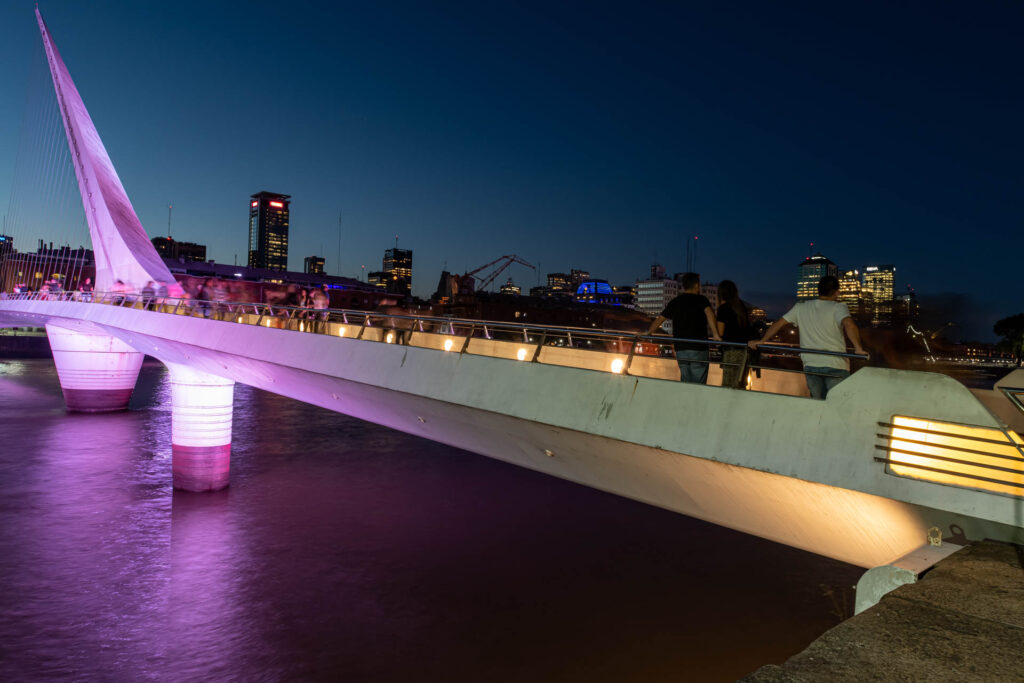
344 550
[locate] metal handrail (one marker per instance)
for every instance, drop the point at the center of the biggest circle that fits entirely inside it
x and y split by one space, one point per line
473 325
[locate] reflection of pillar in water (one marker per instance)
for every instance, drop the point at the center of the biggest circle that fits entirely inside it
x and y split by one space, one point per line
201 407
97 371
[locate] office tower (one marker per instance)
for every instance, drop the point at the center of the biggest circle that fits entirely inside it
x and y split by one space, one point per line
879 281
313 265
268 230
811 270
851 293
398 265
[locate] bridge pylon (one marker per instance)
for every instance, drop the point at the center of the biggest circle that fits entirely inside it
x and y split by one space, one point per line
121 247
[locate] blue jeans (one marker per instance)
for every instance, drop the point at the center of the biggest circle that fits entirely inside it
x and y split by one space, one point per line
820 386
693 365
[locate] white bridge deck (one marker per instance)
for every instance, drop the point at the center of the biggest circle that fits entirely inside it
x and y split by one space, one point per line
841 477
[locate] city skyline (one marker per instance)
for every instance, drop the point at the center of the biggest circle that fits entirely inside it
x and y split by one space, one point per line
568 153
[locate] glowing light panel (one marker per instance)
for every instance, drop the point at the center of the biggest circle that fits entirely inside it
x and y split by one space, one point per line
958 455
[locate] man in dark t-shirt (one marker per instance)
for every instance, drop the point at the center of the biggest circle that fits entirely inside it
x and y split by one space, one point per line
692 316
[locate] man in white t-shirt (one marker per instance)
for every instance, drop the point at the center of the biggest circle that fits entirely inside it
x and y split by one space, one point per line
821 323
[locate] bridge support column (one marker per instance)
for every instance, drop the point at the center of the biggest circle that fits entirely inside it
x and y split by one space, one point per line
201 406
97 371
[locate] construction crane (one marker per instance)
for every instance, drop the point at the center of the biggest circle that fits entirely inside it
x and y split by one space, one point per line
468 281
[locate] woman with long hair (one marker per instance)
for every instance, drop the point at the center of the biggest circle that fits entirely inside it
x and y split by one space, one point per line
734 326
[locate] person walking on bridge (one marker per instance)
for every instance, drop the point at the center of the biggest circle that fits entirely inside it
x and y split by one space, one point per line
692 316
821 323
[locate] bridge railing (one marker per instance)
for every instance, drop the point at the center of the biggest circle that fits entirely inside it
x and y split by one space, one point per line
603 350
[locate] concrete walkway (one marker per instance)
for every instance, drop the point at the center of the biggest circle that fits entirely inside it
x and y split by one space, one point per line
963 621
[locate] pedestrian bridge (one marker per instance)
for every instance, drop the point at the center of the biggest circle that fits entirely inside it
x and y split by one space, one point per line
861 476
890 459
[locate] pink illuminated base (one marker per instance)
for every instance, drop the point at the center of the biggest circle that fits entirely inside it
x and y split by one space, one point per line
201 468
96 400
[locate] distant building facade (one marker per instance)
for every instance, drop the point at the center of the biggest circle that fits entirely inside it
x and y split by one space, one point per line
596 292
398 265
811 270
559 282
577 276
313 265
879 280
378 279
852 293
171 248
653 294
510 288
268 230
626 294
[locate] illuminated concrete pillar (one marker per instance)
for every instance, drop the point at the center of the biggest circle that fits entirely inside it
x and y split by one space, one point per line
97 372
201 407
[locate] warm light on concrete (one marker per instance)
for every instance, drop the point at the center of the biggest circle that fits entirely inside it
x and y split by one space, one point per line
958 455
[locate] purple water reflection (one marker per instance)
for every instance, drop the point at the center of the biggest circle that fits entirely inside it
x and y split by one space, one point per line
343 549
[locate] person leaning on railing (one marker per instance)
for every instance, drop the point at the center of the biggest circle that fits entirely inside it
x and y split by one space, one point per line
692 316
822 323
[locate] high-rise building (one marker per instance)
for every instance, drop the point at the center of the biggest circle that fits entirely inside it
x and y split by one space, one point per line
851 293
6 245
313 265
378 279
879 281
812 269
189 251
398 265
268 230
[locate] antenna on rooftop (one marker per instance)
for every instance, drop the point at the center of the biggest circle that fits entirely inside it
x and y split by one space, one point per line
691 255
169 207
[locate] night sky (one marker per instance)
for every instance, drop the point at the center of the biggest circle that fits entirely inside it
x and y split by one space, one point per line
575 135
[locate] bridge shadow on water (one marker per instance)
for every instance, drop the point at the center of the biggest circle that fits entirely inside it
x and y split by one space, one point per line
346 550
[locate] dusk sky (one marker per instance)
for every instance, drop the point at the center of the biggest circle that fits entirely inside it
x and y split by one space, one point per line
594 136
